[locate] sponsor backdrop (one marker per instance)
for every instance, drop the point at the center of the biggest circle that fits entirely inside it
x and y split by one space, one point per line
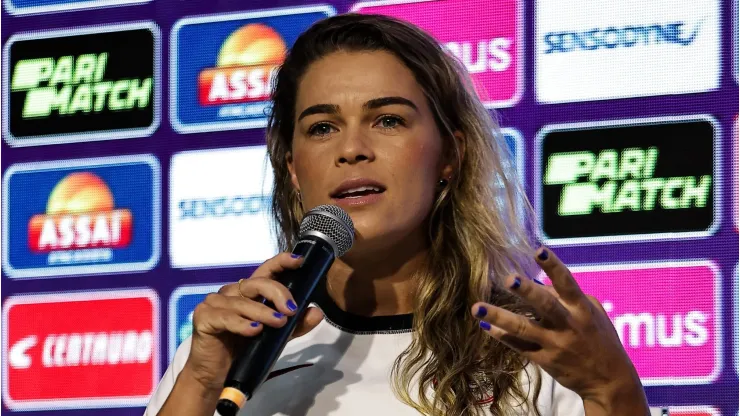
134 178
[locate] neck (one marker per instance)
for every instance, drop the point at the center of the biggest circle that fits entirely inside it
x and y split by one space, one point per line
377 282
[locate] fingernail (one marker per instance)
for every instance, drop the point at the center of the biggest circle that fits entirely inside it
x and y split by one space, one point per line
485 325
255 324
295 256
278 315
291 305
517 282
538 282
543 255
481 311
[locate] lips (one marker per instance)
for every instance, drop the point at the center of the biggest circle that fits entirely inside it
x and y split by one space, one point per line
357 188
358 192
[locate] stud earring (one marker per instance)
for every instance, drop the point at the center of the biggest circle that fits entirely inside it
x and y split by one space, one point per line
443 182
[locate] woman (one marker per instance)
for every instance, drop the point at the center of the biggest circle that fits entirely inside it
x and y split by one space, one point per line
430 311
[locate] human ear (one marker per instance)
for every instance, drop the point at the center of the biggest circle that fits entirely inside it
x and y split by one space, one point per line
452 159
291 170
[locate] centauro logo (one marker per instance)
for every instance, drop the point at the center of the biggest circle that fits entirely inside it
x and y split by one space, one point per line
81 84
72 84
615 180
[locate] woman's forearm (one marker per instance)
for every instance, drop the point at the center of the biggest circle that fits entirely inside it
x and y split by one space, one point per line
625 399
190 398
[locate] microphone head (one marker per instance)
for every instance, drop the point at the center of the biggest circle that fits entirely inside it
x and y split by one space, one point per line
332 224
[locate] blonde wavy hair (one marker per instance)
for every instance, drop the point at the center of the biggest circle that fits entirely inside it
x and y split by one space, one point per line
479 226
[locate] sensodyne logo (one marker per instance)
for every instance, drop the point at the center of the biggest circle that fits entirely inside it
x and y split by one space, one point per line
678 33
223 206
636 180
595 50
219 208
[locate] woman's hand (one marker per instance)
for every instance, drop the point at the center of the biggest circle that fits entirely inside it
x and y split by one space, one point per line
223 319
574 341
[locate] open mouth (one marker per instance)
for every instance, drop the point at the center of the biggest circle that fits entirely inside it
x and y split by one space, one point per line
358 192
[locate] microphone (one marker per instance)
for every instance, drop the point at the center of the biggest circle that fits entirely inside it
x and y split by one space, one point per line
326 232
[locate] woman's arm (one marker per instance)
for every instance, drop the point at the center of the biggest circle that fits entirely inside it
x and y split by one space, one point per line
625 398
189 397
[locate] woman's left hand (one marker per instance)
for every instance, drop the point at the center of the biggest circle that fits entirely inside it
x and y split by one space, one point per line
574 341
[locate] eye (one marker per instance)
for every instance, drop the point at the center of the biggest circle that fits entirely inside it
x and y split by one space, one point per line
389 122
320 129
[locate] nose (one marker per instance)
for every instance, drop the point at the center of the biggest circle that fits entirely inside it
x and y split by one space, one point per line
353 148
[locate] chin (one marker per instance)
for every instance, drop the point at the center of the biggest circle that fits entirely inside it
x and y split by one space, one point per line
378 236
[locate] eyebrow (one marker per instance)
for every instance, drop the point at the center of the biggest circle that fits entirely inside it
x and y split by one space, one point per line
383 101
333 109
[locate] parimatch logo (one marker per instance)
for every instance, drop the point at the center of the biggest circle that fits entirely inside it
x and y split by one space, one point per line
644 179
81 84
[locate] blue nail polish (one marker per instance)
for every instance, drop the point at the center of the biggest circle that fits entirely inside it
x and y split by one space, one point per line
517 282
485 325
255 324
295 256
291 305
278 315
482 311
543 256
538 282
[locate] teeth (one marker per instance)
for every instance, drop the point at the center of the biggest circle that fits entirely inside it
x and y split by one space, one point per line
361 189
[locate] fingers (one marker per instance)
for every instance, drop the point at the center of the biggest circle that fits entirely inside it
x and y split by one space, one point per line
262 283
499 323
540 298
210 320
562 280
235 308
247 308
308 321
271 290
281 262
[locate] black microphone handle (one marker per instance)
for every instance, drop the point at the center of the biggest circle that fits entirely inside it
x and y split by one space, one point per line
255 360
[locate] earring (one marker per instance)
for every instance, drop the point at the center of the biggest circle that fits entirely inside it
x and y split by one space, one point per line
443 182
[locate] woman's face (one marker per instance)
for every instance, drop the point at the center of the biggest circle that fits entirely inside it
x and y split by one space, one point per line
365 140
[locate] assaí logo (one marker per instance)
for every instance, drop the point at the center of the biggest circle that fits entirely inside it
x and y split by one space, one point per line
220 202
225 83
484 36
598 50
81 217
685 325
676 33
81 84
87 233
245 69
51 339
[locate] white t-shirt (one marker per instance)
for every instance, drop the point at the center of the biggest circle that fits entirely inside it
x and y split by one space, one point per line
343 367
